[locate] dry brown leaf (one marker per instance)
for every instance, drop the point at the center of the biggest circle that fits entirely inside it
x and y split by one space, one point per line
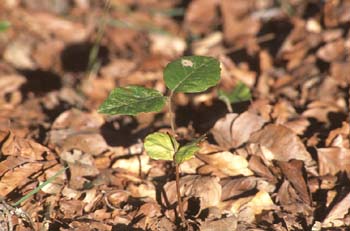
278 142
259 168
18 54
92 143
166 45
10 83
340 72
71 208
75 122
26 148
206 188
236 20
201 15
223 224
247 208
289 200
80 165
227 163
339 137
134 164
17 177
332 51
294 172
118 68
337 213
234 187
61 28
234 130
332 160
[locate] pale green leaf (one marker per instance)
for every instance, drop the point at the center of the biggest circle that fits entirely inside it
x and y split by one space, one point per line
186 152
161 146
192 74
132 100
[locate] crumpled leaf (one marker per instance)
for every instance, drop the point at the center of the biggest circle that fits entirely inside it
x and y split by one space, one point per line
16 146
278 142
233 130
161 146
206 188
294 172
332 160
337 213
227 163
132 100
17 177
227 223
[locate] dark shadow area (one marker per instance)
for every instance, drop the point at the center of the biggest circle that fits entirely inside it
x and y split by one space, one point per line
202 117
119 132
322 65
40 82
280 28
336 119
342 188
312 9
75 57
241 55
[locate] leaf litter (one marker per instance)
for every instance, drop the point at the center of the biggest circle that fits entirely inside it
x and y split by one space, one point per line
279 162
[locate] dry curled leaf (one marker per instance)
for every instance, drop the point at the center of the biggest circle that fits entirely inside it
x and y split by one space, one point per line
227 163
206 188
234 130
278 142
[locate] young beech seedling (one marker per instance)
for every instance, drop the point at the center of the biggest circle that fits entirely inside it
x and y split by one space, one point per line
188 74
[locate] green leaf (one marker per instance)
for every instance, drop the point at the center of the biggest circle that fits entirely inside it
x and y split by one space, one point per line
187 151
4 25
192 74
161 146
131 100
240 93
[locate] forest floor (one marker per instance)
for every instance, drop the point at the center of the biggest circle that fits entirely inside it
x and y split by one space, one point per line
280 161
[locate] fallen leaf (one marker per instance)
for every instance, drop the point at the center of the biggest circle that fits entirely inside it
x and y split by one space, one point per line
234 130
227 223
294 172
337 212
227 163
17 177
206 188
332 160
278 142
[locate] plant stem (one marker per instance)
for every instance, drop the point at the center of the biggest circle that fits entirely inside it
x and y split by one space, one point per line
171 113
179 199
177 166
228 105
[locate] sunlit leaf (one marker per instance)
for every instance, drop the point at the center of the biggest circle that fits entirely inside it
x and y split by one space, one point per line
192 74
161 146
131 100
188 151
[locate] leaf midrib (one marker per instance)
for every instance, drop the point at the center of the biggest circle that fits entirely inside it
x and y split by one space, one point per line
126 104
188 75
